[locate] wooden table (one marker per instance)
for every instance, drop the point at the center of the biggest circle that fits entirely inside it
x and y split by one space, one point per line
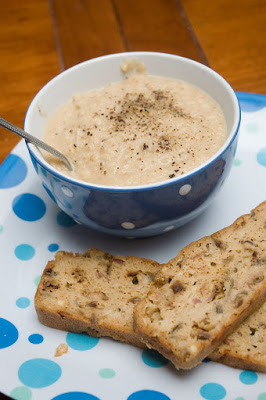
40 38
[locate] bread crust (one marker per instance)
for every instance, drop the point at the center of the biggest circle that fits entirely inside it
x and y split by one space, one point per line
149 321
162 346
83 302
245 348
239 362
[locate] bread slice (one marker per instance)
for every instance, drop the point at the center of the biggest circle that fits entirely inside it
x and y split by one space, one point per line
94 293
246 347
202 295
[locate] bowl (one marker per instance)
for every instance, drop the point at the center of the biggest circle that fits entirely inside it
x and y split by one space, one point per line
135 211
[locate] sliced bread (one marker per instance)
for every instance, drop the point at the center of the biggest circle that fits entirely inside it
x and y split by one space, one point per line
94 293
202 295
246 347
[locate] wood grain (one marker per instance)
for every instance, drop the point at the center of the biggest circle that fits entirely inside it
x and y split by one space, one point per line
28 60
86 29
157 25
40 37
232 34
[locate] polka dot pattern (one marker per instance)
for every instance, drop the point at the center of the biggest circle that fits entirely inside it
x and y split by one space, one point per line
43 171
153 359
251 102
23 302
53 247
128 225
261 157
39 229
49 193
75 396
81 342
35 338
68 192
107 373
21 393
39 373
24 252
8 333
67 204
248 377
213 391
37 280
148 395
13 171
237 162
184 190
252 127
29 207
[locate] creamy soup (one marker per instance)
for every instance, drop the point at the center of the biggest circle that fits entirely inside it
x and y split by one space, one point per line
141 130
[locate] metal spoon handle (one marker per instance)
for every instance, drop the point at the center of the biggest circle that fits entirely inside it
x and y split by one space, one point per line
32 139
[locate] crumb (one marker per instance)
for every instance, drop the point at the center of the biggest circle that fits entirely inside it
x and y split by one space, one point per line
61 349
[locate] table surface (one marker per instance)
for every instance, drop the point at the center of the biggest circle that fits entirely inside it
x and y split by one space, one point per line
40 38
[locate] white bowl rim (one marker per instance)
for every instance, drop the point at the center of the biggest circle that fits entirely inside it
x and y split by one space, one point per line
231 137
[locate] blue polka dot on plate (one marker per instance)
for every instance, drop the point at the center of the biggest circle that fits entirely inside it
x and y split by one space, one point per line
13 171
21 393
213 391
148 395
153 359
250 102
261 156
24 252
81 341
237 162
29 207
35 338
8 333
53 247
23 302
64 220
37 280
248 377
252 127
107 373
75 396
39 372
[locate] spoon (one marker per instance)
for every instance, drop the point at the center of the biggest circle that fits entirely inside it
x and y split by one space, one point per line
39 143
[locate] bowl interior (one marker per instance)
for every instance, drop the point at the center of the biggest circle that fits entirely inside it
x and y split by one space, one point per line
101 71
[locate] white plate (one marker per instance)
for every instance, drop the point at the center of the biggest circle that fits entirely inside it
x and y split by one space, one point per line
31 230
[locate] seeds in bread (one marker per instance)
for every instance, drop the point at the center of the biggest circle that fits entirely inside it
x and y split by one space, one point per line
246 347
94 293
203 294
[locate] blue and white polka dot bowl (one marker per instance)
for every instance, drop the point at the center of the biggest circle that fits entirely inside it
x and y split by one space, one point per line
141 210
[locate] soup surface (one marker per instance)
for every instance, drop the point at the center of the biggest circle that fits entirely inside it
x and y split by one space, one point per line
141 130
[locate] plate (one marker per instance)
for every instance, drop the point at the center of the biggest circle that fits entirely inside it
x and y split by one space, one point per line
32 229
